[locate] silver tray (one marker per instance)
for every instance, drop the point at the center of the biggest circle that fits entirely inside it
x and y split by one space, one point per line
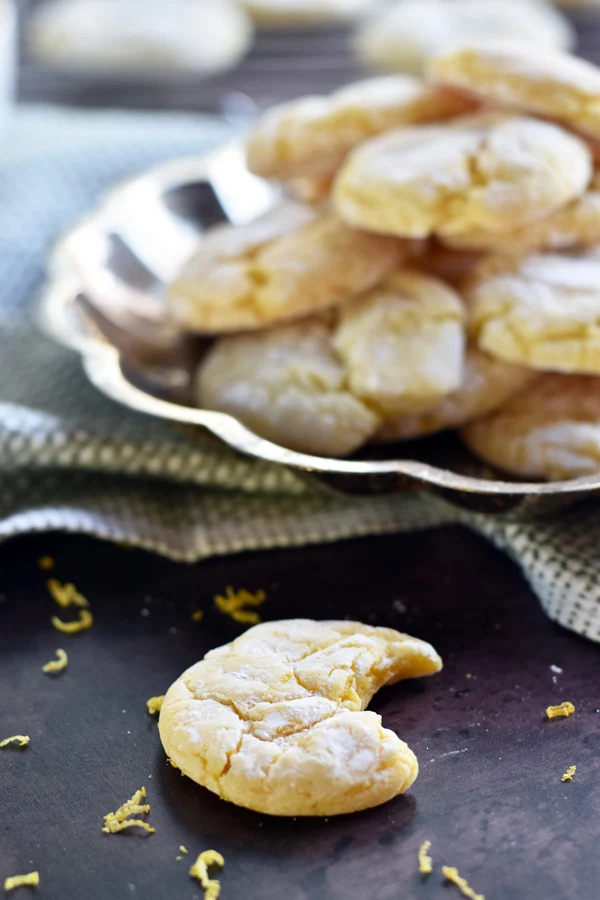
103 298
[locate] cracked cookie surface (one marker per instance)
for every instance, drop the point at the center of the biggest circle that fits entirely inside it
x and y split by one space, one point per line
551 431
545 82
284 265
542 311
487 172
313 135
275 720
403 342
487 384
287 385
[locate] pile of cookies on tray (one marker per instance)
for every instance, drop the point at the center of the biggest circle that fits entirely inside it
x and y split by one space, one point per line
435 265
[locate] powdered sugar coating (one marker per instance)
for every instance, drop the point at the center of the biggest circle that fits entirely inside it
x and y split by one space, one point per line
275 720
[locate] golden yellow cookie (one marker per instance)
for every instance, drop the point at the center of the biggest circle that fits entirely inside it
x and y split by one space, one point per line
303 13
403 36
280 267
550 431
403 343
520 75
487 172
487 384
541 311
287 385
313 135
575 225
274 721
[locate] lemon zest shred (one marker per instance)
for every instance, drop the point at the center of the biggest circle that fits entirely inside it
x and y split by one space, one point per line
568 776
234 602
183 849
66 594
32 879
57 665
212 887
425 861
22 741
563 709
179 859
85 621
197 615
154 704
46 563
119 820
451 874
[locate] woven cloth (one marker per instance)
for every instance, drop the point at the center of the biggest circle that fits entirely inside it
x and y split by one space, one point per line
72 460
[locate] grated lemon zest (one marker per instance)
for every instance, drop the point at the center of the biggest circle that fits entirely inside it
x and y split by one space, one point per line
451 874
46 563
564 709
568 776
183 849
179 859
66 594
22 741
85 621
119 820
16 881
197 615
57 665
212 887
154 704
233 603
425 861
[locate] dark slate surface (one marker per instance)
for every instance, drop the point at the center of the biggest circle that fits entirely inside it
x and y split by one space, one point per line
489 795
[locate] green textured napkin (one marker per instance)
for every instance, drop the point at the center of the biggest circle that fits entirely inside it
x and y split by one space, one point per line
72 460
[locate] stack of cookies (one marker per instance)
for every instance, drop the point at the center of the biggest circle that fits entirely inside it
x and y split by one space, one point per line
436 265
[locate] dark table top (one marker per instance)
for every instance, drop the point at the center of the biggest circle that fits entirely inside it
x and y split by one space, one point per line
489 796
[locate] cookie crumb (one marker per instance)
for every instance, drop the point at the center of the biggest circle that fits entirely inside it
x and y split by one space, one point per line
233 603
46 563
568 776
154 704
556 669
425 861
21 740
119 820
66 594
16 881
85 621
57 665
197 615
562 710
212 887
451 874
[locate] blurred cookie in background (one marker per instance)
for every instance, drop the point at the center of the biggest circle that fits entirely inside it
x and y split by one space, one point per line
124 36
304 13
404 36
